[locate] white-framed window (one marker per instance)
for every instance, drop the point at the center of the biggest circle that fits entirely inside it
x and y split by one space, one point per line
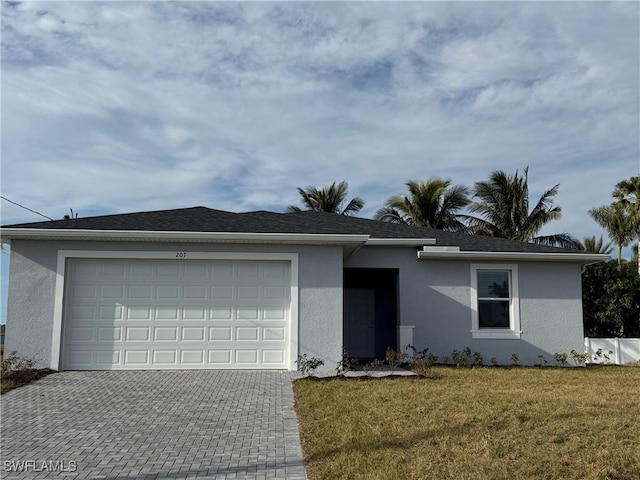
495 305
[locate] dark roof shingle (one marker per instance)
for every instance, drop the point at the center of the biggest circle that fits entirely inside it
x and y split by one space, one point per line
203 219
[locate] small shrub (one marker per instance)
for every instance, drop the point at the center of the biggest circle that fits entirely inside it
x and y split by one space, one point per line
478 361
432 358
494 361
515 359
416 352
580 359
461 359
466 355
394 358
446 360
346 363
308 365
16 371
561 359
600 355
14 363
421 366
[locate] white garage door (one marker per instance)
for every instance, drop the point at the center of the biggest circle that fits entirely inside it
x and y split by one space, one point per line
160 314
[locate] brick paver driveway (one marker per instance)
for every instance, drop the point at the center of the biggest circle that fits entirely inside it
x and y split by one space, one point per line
151 424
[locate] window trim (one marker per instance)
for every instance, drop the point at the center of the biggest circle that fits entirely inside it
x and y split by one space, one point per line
513 332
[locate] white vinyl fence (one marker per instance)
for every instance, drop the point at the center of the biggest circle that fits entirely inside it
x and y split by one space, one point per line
624 350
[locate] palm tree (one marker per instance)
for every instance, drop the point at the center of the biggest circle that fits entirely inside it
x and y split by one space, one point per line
591 245
328 199
627 194
503 208
619 224
434 203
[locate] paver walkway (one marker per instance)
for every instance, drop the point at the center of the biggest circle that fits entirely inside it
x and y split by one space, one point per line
152 425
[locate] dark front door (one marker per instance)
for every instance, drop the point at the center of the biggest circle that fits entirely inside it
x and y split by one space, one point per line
370 311
359 322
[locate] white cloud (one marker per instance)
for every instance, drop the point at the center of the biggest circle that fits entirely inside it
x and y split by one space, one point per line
112 107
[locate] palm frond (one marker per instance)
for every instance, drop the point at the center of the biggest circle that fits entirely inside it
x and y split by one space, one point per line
563 240
329 199
501 208
433 203
389 214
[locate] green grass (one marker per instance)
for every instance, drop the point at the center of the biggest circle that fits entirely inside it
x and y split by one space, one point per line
482 423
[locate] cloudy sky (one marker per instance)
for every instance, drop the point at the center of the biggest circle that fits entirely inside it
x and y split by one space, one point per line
114 107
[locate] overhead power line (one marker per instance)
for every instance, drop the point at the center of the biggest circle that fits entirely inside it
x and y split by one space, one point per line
26 208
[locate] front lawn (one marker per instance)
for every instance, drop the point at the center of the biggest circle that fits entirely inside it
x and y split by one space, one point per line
481 423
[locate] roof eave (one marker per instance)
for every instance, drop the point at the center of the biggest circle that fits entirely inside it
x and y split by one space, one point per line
400 242
9 234
582 258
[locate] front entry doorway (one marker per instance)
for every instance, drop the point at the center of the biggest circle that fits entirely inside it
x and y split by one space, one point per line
370 312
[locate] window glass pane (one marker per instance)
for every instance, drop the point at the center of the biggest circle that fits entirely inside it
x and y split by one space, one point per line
493 284
493 314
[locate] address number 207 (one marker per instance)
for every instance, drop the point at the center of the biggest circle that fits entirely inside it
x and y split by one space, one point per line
181 254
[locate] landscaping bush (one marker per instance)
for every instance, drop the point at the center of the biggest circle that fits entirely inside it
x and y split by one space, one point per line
16 371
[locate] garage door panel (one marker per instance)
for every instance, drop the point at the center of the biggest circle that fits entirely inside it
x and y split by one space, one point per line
167 292
194 291
165 357
136 357
165 334
109 334
247 356
139 312
166 313
137 334
272 357
248 292
273 334
218 334
248 271
81 357
193 334
113 268
221 313
175 314
140 292
85 291
194 313
220 357
247 313
247 334
107 357
275 313
110 312
192 357
222 292
143 270
81 334
196 270
168 269
83 313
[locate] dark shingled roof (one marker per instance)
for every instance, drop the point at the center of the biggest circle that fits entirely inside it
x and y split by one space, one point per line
203 219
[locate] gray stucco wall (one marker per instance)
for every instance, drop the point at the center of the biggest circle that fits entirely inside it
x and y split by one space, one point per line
434 296
31 298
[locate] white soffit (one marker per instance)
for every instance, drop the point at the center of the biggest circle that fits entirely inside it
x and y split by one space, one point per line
454 253
171 236
400 242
